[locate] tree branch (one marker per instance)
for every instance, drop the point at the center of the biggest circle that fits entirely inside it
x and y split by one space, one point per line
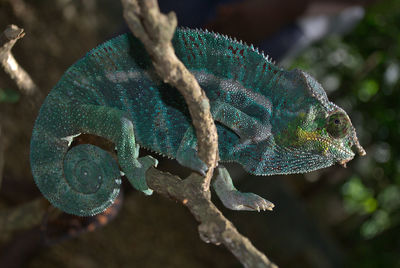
214 227
7 40
156 30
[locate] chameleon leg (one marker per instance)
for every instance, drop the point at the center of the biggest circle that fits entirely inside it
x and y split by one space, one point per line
248 128
128 152
234 199
114 125
187 153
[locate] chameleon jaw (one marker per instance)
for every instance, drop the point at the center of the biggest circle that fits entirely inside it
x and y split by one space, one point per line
359 149
343 162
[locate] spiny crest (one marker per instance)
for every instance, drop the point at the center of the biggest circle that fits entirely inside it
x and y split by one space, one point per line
233 40
156 152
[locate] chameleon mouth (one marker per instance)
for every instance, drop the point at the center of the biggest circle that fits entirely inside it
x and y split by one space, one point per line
358 149
347 155
343 162
343 153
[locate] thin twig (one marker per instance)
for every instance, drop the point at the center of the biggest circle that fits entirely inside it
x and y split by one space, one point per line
156 30
24 82
7 40
29 214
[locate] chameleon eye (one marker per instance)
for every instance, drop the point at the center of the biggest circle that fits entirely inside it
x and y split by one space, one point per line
337 125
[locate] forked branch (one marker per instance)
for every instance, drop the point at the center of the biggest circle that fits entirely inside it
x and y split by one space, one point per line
156 30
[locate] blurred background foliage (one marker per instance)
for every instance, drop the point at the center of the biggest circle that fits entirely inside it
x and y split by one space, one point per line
361 72
8 96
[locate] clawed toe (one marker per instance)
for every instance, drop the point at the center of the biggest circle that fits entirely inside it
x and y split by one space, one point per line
260 204
266 205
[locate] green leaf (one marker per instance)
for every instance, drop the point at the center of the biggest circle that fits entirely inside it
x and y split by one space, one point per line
358 198
9 96
367 90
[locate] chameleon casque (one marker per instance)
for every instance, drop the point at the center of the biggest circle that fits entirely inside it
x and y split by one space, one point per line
269 120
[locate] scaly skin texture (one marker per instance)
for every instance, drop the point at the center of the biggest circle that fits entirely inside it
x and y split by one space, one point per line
269 120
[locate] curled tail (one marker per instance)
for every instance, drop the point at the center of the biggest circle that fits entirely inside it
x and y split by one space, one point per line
83 180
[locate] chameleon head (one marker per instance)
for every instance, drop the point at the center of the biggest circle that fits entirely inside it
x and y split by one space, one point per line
308 133
332 138
328 127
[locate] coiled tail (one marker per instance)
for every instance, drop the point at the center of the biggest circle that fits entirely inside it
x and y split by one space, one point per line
82 180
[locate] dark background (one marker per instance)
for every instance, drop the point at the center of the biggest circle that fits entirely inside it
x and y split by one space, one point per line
334 217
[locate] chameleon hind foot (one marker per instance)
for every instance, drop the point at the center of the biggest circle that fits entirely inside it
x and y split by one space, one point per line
137 173
234 199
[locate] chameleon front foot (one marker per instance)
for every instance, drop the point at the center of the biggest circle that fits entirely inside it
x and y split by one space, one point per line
137 173
189 158
234 199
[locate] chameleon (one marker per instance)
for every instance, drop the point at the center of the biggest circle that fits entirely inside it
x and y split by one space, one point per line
269 120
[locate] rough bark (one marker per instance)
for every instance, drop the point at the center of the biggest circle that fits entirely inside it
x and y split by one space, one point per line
156 30
214 227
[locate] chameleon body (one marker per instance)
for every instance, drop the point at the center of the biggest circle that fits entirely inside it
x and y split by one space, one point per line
269 120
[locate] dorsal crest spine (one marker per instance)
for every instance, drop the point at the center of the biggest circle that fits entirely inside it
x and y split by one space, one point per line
230 39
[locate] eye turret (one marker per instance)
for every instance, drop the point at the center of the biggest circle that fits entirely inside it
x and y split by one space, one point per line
338 125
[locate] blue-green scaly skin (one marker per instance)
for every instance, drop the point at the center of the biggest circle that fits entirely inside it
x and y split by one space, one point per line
269 120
